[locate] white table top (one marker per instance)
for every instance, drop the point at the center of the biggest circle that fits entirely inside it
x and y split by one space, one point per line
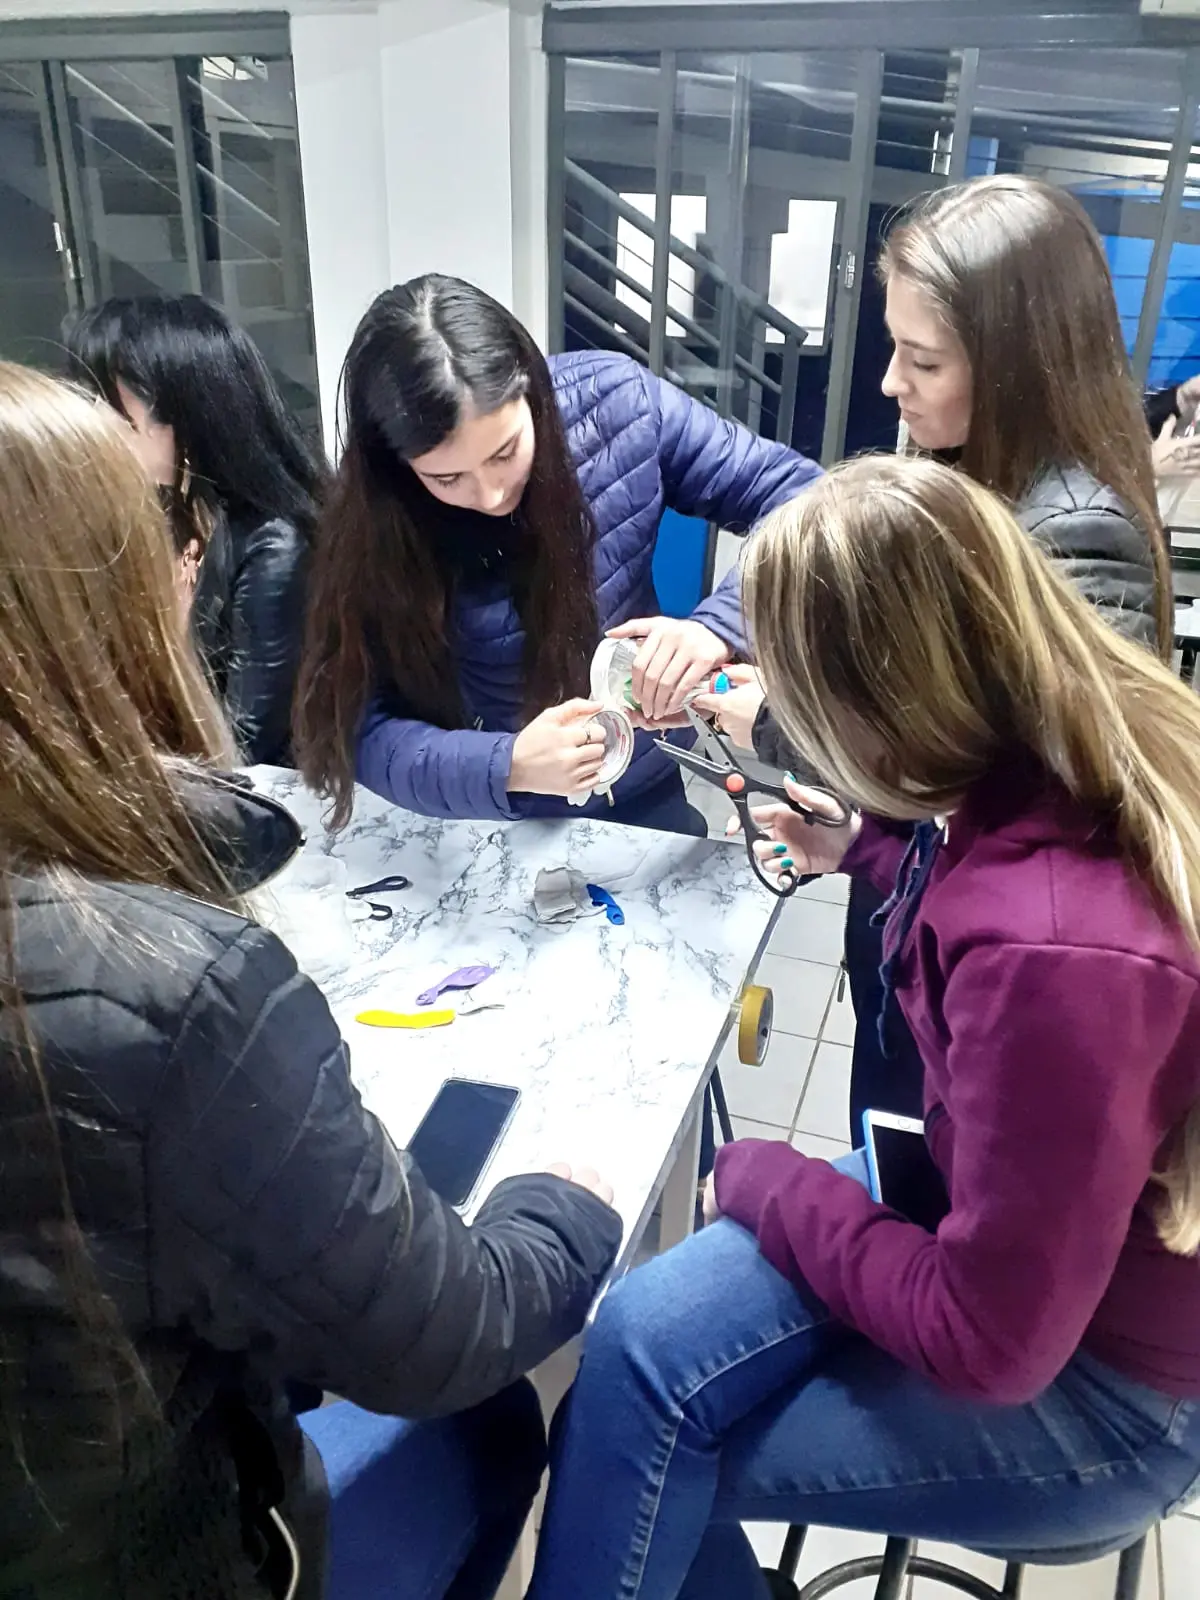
609 1032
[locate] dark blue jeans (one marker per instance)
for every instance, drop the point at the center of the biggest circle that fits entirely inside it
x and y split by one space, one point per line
427 1510
877 1082
665 807
712 1391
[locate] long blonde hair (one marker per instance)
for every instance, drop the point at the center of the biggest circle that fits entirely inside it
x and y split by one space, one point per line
1016 270
103 712
97 678
910 634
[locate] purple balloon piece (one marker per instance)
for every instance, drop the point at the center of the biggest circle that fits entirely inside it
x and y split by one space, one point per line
462 978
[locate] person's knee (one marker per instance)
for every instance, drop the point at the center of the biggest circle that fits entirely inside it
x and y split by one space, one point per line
645 1317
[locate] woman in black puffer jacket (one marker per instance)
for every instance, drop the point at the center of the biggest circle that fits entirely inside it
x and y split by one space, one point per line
239 480
1008 360
197 1210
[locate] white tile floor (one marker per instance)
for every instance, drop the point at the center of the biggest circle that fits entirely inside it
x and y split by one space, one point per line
800 1093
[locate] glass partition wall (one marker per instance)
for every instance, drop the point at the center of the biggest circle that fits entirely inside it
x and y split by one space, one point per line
160 158
722 178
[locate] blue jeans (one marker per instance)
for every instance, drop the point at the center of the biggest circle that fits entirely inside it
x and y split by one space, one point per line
427 1510
713 1391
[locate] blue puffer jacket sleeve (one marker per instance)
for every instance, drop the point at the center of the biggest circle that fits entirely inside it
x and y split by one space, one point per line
718 470
437 772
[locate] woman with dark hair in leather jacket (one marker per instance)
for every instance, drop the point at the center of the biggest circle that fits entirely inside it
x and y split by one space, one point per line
197 1209
240 483
1009 362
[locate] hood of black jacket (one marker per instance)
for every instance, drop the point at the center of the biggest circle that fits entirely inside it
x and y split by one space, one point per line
250 836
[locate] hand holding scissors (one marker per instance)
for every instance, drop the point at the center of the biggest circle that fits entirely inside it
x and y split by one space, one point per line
804 837
809 811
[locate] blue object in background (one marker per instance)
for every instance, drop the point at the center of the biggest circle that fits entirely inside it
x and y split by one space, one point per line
680 557
1175 355
982 155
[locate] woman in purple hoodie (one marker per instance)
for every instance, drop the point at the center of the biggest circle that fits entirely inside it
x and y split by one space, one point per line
1025 1380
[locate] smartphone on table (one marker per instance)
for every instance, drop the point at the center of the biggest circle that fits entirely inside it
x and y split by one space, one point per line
903 1173
458 1136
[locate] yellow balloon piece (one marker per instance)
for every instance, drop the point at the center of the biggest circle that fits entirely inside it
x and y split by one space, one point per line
406 1019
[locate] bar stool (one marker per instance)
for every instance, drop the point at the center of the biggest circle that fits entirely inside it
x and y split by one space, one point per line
899 1562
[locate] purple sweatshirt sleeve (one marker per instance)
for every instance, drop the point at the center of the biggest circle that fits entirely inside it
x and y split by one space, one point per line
1058 1116
875 854
718 470
435 771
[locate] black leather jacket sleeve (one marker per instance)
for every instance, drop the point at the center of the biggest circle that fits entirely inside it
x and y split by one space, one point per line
284 1221
266 625
1093 542
249 617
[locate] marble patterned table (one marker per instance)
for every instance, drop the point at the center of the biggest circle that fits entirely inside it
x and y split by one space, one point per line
610 1032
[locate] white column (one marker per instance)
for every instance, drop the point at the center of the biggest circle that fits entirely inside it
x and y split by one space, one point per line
446 117
423 143
339 108
529 98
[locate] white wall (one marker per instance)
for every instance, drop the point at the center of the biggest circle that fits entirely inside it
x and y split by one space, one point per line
446 98
423 143
529 151
339 109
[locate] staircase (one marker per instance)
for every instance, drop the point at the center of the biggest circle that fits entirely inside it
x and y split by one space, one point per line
734 350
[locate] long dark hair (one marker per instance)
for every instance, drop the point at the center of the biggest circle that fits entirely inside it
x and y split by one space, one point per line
239 450
378 598
1017 270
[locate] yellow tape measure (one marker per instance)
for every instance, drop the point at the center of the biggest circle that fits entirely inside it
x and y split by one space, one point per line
406 1019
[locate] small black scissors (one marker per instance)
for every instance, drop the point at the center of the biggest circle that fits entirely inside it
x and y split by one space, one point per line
720 766
379 913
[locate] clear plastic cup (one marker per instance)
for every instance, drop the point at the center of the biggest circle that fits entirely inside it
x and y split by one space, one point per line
306 907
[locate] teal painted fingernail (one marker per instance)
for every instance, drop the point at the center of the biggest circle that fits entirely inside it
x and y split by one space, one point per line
790 776
786 863
781 849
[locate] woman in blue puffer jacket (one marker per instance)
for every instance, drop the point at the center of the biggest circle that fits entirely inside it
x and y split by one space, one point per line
493 515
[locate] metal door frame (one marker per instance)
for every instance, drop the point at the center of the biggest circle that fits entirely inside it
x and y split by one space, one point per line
866 24
51 48
869 28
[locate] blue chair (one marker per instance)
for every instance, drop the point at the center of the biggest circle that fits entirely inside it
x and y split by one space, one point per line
899 1562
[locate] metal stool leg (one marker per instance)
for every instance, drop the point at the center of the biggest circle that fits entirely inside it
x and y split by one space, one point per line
891 1567
894 1573
1014 1577
1129 1572
717 1089
898 1563
793 1544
